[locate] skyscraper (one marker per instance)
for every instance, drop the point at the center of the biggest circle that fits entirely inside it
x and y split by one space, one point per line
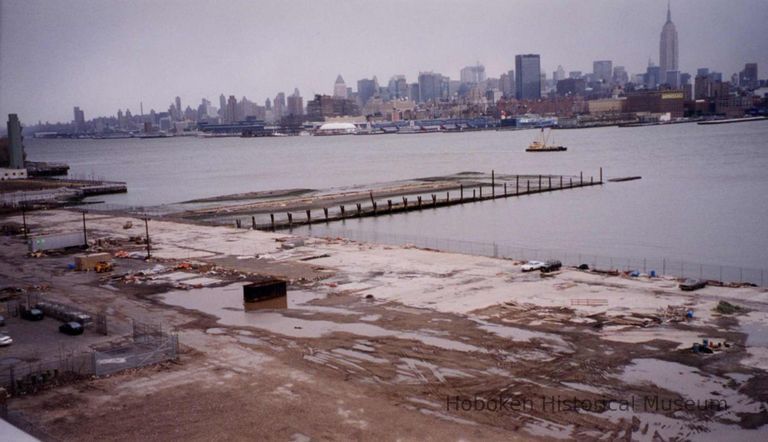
473 74
430 86
279 105
178 115
668 53
603 70
339 88
295 104
528 76
15 146
367 88
79 119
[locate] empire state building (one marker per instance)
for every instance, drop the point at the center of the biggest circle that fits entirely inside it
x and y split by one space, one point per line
668 53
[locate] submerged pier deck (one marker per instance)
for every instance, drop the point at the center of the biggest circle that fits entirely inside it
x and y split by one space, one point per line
277 210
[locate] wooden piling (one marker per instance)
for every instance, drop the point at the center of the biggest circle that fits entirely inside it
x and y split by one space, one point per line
374 208
253 222
505 188
371 195
493 184
461 192
601 174
419 199
290 219
481 192
309 217
434 200
561 181
539 188
389 205
581 177
473 194
550 182
342 211
359 209
528 186
272 218
325 212
447 197
517 184
570 182
405 202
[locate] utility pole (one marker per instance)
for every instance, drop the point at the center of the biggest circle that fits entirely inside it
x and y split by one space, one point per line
146 228
24 218
85 232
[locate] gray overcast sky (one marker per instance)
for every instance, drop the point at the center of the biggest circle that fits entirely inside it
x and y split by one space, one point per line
103 55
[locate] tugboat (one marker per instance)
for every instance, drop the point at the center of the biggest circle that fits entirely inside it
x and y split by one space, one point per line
540 145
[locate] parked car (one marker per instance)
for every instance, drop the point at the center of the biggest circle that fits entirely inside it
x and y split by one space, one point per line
691 284
32 314
531 266
551 266
71 328
5 340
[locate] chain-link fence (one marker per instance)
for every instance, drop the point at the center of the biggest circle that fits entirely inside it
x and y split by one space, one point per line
146 349
658 266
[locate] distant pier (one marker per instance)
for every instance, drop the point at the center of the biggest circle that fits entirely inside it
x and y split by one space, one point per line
373 206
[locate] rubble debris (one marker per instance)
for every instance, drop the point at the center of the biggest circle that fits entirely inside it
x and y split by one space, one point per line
726 308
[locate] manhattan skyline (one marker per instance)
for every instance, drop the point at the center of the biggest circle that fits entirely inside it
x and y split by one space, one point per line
104 56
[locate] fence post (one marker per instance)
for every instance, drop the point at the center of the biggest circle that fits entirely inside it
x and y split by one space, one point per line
493 184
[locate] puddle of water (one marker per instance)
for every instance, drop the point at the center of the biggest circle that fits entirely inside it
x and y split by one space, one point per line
689 383
755 325
226 303
523 335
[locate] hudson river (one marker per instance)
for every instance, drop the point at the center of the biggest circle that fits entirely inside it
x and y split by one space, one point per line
703 196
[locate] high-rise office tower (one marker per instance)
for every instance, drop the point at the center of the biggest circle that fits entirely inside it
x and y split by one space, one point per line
473 74
603 70
668 52
339 88
367 88
295 104
528 76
